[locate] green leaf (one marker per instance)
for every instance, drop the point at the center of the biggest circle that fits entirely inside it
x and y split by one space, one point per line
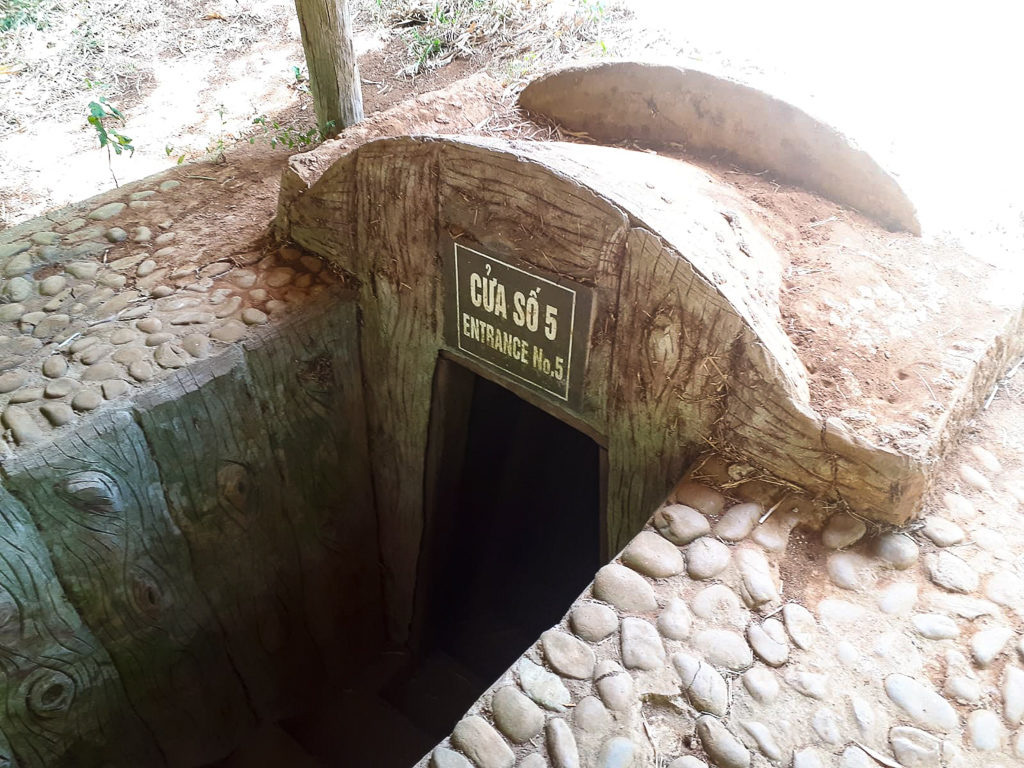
96 111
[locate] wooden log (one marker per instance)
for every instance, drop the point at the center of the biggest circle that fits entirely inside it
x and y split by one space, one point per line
331 58
225 491
97 501
307 386
397 262
63 703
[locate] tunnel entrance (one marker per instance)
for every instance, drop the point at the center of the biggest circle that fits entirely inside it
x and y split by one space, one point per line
513 535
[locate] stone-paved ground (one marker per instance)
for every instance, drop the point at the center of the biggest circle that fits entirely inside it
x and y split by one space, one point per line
95 306
715 638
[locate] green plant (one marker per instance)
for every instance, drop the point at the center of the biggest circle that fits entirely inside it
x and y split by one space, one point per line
169 151
104 116
286 135
17 13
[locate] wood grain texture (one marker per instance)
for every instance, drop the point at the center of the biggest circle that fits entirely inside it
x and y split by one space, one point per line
96 499
672 345
63 703
225 491
307 387
399 269
491 199
331 58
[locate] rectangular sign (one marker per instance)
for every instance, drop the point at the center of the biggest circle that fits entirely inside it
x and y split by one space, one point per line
530 327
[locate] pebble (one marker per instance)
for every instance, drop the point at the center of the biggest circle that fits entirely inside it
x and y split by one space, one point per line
141 370
950 572
228 332
897 550
688 761
228 307
641 645
724 749
190 317
114 389
446 758
773 533
1013 695
143 235
738 521
543 687
122 336
27 395
843 531
45 238
807 758
18 289
162 292
762 684
987 644
60 388
942 532
516 715
681 524
758 586
52 285
86 400
108 211
156 339
55 366
164 238
915 748
921 703
855 757
591 715
826 727
675 622
9 312
935 626
974 478
279 277
566 654
649 553
149 324
243 278
57 414
706 558
167 356
10 381
102 372
562 749
82 344
127 355
724 648
717 604
765 740
617 752
768 648
95 353
809 684
253 316
116 235
481 743
18 265
897 598
624 588
1005 589
703 498
23 428
593 621
849 570
705 688
614 686
863 714
985 731
257 295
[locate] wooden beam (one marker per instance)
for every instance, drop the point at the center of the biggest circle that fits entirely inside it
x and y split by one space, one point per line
331 59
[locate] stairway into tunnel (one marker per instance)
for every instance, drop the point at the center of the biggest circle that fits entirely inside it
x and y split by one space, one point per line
513 511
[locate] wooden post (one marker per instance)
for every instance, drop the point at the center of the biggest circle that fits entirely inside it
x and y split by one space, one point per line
331 58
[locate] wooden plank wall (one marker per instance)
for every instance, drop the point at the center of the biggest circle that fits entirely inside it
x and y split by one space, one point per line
173 574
